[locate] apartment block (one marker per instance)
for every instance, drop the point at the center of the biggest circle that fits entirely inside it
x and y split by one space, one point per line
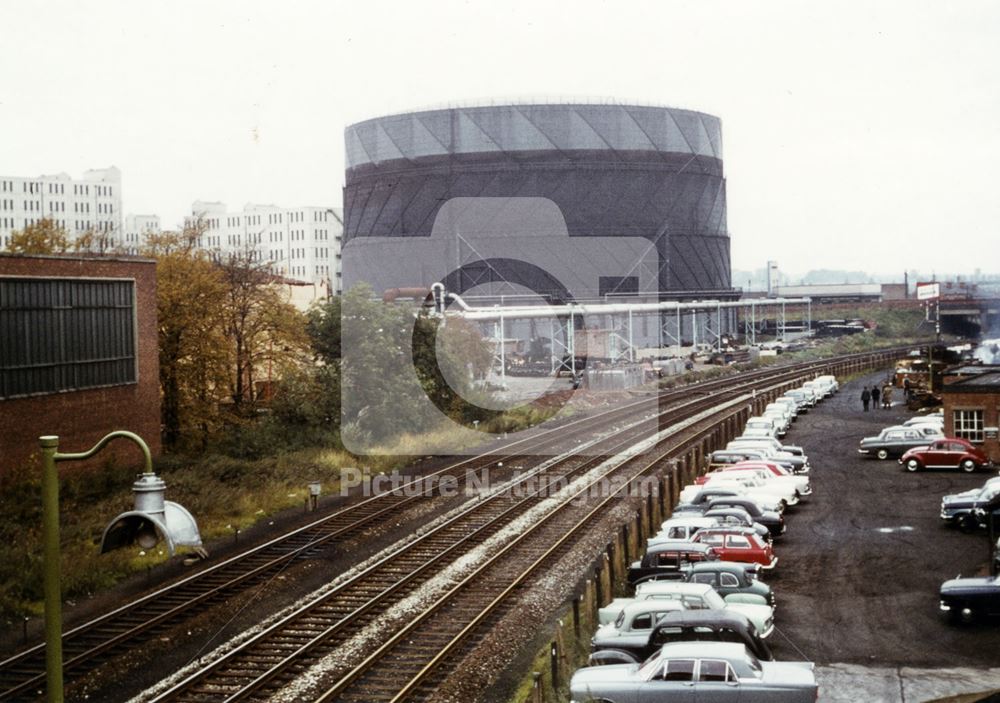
91 203
300 243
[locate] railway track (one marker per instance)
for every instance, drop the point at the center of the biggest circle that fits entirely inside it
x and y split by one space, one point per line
87 645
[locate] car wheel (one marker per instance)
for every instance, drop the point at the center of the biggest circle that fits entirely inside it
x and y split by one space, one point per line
967 522
913 465
968 466
882 453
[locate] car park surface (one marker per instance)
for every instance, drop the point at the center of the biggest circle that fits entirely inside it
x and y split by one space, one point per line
862 567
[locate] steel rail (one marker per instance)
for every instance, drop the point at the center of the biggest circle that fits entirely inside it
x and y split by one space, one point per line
121 621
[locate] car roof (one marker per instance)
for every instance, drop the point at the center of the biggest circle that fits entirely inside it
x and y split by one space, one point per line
644 606
731 529
702 616
677 545
682 587
721 565
696 519
702 649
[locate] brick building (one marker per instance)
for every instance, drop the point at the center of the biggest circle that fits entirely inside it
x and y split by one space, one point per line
971 397
78 354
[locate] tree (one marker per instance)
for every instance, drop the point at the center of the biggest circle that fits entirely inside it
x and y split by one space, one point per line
264 330
96 242
42 237
191 297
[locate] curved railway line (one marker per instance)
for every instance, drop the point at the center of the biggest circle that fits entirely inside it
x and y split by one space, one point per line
260 666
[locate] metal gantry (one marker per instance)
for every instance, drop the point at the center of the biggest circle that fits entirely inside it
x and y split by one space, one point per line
709 321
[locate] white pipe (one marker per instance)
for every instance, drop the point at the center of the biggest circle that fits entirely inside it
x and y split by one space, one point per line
546 311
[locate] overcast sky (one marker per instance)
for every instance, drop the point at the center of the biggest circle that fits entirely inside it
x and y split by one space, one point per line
857 135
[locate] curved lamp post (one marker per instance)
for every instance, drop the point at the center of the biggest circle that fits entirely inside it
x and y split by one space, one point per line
152 519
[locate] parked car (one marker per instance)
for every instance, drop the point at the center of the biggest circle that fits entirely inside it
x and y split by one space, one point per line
723 672
668 557
782 421
969 599
925 420
892 441
766 471
948 453
791 404
769 496
960 508
636 620
680 626
681 528
830 381
730 577
739 544
803 400
768 518
724 457
759 422
699 499
798 463
694 596
740 518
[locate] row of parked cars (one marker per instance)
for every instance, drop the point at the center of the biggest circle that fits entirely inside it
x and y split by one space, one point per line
698 623
920 443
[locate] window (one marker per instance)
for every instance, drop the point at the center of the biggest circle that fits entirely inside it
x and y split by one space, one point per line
728 580
715 670
65 334
969 424
678 670
642 622
739 542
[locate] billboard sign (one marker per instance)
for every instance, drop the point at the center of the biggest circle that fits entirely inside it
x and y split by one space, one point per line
928 291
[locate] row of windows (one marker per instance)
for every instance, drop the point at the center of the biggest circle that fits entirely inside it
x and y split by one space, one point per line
6 204
57 206
6 186
57 188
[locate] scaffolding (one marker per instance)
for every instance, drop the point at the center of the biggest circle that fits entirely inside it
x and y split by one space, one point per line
708 321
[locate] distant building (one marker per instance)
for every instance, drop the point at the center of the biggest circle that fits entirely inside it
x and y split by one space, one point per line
834 293
300 243
79 354
91 203
137 230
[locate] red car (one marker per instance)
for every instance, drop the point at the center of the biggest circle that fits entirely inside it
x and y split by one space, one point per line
947 453
738 544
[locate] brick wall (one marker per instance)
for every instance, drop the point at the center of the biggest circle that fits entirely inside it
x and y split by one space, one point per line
80 418
990 404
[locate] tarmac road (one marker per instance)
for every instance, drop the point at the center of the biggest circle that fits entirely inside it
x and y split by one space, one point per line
861 563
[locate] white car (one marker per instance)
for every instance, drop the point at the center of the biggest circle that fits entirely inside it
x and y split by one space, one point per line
779 415
930 431
681 528
936 420
759 422
695 596
830 381
789 403
770 471
818 389
757 432
768 496
638 617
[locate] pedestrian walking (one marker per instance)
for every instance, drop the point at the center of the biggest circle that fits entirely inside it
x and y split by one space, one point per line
866 396
875 397
887 396
906 388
